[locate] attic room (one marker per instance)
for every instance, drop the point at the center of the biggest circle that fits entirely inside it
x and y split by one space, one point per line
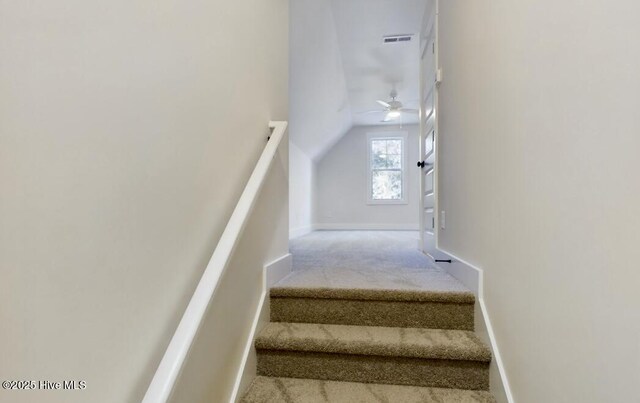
354 86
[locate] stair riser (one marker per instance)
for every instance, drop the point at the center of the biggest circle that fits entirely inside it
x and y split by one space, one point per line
435 315
375 369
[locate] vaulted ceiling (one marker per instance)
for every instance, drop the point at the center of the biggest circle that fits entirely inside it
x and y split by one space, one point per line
372 68
340 66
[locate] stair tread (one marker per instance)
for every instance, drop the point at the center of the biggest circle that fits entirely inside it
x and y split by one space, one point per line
460 296
374 340
267 389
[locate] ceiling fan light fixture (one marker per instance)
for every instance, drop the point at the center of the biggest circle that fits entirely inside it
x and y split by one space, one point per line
393 114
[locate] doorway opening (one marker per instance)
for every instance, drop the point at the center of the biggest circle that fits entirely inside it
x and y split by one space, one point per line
361 116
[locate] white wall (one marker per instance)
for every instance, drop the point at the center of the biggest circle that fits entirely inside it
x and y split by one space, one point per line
301 179
320 112
538 176
127 133
341 185
215 357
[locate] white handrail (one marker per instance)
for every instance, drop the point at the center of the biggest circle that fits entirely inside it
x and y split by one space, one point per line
165 377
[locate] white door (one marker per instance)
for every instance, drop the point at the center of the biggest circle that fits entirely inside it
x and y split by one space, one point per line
428 131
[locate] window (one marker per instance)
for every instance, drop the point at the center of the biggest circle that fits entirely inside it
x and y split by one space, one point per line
386 168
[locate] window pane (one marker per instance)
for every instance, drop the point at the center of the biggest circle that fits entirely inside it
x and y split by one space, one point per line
394 147
393 161
379 161
378 147
386 185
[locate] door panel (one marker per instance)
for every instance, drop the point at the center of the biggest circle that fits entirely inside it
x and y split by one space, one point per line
429 147
428 105
428 221
428 186
428 198
429 123
429 131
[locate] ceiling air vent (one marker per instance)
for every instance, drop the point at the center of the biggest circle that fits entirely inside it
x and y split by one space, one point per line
396 38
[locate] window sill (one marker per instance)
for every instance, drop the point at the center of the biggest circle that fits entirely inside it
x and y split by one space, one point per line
386 202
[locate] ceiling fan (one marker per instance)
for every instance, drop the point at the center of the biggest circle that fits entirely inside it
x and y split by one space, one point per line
393 108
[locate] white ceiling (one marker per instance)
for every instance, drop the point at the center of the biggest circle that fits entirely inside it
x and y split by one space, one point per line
339 66
372 68
319 113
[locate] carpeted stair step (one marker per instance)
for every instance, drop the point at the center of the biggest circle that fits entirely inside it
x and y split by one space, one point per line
265 389
402 356
373 307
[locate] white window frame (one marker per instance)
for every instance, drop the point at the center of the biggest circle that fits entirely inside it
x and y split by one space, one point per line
387 136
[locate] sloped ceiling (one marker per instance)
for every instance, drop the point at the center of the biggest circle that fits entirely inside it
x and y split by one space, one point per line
339 66
319 111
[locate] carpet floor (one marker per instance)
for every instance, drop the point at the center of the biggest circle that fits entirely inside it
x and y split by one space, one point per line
265 389
371 260
365 317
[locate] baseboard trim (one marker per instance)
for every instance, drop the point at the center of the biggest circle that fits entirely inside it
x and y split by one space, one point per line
277 270
296 232
271 274
365 227
472 277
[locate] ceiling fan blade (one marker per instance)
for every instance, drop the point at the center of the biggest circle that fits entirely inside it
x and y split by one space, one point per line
385 104
409 110
387 118
372 111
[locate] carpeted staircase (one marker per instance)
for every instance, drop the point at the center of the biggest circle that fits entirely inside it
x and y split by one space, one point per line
358 345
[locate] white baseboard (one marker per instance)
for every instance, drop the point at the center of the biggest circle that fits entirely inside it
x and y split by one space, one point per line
272 273
472 278
365 227
277 270
296 232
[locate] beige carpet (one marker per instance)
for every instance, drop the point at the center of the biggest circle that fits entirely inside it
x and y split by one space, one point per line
393 355
374 340
368 312
265 389
364 317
